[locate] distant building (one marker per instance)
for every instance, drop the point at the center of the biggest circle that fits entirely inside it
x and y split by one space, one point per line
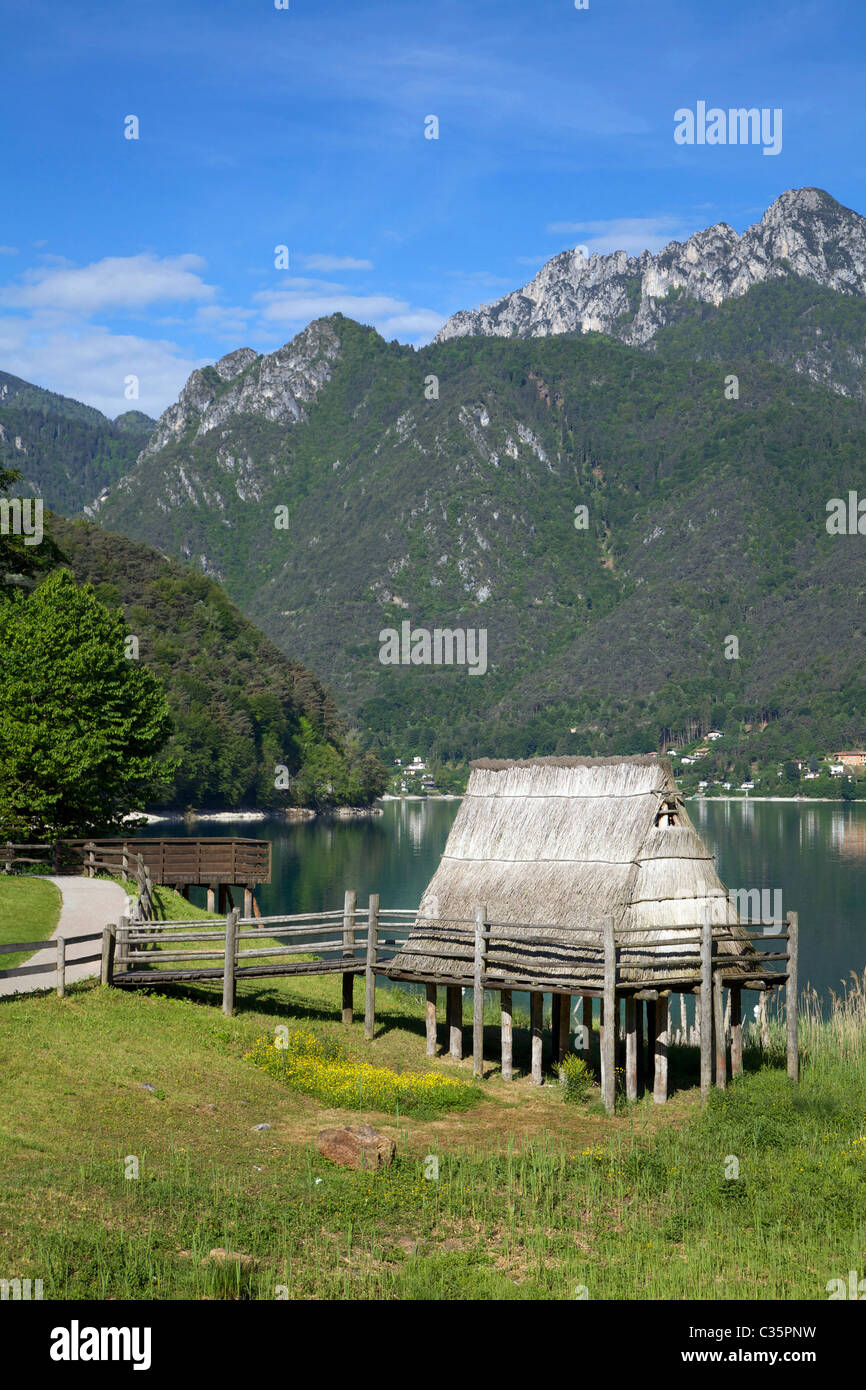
714 733
850 759
836 769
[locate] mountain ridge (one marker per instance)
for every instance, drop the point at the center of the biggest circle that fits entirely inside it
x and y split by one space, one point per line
804 232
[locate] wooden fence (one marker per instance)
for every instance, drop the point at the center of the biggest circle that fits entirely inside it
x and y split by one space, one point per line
58 966
352 942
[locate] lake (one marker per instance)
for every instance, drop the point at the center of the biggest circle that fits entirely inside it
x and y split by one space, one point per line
814 854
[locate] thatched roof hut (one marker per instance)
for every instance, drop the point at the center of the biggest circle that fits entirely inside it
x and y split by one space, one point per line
562 843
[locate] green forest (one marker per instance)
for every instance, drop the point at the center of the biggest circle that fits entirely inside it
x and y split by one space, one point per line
242 727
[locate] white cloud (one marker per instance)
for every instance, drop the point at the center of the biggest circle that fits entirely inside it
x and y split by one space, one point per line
390 316
113 284
630 234
90 364
333 263
8 250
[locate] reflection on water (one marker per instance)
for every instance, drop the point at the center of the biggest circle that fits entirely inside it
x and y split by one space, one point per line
813 853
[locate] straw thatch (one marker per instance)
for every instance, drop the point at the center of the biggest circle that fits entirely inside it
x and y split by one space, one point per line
561 843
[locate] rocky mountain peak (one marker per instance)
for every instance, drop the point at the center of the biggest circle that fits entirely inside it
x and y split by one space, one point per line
804 232
275 385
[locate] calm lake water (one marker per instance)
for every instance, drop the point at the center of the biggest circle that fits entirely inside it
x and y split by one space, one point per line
816 856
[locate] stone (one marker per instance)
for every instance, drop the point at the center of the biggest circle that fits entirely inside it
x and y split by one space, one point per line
356 1146
260 1127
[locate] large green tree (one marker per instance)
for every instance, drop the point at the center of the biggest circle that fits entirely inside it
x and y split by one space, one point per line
81 724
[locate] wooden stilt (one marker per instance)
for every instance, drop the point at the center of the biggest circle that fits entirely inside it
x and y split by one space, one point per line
431 1020
641 1066
555 1010
564 1026
706 1007
719 1033
631 1048
764 1020
608 1046
684 1018
507 1036
736 1031
587 1023
791 989
248 902
211 899
536 1024
661 1040
455 1022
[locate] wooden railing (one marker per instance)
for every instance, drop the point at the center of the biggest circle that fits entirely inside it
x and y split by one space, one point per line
352 941
181 860
56 967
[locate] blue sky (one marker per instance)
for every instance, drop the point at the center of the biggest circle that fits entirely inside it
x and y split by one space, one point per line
305 127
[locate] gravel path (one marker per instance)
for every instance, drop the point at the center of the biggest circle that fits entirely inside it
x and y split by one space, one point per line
88 904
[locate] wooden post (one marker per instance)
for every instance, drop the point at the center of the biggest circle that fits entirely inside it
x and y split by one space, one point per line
536 1026
564 1026
555 1009
719 1031
61 967
706 1006
369 973
350 902
91 859
124 860
507 1021
736 1031
10 854
106 969
631 1008
454 997
431 1020
122 965
55 857
608 1045
229 962
480 964
211 899
586 1016
661 1041
641 1070
791 989
248 902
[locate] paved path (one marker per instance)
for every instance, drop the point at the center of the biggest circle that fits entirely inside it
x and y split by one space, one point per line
88 904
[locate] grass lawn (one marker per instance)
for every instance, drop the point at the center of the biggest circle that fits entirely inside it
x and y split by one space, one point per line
535 1198
29 911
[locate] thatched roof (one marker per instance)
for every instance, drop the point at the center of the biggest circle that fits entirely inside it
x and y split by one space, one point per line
562 843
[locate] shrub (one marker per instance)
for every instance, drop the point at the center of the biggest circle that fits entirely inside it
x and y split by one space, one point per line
576 1077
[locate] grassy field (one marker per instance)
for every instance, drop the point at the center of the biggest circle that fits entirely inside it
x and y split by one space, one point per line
521 1196
29 911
